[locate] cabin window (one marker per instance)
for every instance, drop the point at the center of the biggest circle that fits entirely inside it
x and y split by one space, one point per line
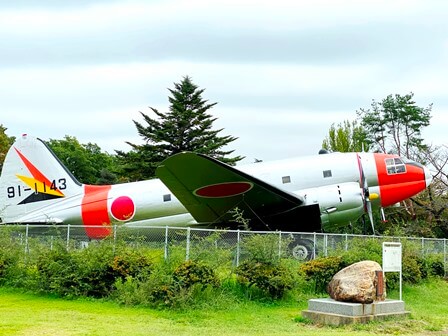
167 197
327 173
395 166
286 179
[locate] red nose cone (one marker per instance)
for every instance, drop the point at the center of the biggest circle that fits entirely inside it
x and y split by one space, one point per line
398 179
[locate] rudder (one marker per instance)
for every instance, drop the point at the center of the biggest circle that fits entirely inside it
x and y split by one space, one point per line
32 178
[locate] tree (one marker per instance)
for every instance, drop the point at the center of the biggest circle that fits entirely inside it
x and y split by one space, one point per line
346 137
85 161
5 144
187 126
433 201
395 124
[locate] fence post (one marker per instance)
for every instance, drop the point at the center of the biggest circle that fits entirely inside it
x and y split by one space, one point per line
165 252
279 244
68 237
444 257
326 245
238 248
26 239
187 252
314 245
346 242
115 236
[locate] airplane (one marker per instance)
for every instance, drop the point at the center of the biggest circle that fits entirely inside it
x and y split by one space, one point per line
305 194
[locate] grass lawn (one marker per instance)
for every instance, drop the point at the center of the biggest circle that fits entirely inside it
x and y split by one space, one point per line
29 314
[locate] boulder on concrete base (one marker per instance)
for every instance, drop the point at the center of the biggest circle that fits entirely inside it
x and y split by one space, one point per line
357 283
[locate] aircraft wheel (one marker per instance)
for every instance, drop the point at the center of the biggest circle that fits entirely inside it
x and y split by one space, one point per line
301 249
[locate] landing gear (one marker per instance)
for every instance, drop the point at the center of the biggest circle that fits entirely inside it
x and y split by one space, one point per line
302 249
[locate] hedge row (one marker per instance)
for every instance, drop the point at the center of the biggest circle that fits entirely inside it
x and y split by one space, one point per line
141 276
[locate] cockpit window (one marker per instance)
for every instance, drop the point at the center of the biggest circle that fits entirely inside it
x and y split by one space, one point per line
395 166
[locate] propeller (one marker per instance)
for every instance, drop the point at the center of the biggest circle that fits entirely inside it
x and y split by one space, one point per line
366 196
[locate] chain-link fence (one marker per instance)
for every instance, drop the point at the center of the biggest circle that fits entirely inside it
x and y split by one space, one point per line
229 245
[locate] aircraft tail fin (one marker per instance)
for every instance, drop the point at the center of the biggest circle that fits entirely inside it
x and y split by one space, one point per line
32 178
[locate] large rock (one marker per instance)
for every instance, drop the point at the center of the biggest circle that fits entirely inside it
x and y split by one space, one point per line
357 283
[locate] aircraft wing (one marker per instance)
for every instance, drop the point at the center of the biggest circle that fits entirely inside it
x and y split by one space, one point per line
209 189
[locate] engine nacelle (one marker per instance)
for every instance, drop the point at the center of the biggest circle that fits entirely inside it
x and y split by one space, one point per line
338 204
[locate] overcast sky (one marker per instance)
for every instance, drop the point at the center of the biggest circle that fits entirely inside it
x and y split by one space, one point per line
281 71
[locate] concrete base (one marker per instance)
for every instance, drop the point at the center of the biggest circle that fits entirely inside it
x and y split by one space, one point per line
329 311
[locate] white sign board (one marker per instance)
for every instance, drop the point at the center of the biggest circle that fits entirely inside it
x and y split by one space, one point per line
391 257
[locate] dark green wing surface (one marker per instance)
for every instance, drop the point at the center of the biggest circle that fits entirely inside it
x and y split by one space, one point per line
209 189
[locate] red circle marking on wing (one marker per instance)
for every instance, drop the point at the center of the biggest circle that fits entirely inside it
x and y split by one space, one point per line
223 189
123 208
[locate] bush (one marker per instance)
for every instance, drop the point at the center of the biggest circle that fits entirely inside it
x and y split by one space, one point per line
151 290
435 265
263 248
411 270
167 287
132 263
361 249
321 271
93 265
272 278
191 272
11 255
8 264
57 272
86 272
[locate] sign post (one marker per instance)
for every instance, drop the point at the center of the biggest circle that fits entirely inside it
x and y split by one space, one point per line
392 260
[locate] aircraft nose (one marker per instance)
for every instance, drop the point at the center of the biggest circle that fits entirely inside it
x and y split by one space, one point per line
428 176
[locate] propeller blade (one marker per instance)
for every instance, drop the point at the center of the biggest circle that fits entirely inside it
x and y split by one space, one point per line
366 196
369 211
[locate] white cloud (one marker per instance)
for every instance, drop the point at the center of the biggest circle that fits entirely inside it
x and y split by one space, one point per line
281 72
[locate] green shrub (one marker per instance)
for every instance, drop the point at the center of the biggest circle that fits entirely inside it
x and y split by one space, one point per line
263 248
7 260
411 270
57 272
167 287
215 249
96 275
435 265
272 278
361 249
132 263
11 257
86 272
151 290
431 265
192 272
321 270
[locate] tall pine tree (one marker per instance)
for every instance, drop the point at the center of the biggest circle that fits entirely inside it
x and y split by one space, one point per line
187 126
395 125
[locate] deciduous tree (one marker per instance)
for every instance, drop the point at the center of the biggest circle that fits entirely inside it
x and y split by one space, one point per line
86 161
346 137
5 143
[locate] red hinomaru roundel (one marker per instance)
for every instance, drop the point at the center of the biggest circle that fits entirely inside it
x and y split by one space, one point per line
227 189
122 208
